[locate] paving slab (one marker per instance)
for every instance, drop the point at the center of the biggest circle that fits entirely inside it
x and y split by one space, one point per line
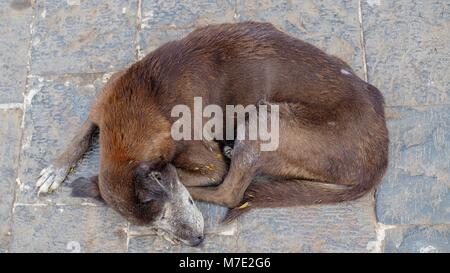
418 239
83 36
68 229
408 53
345 227
155 244
163 14
151 39
15 35
416 187
165 21
333 26
9 152
56 106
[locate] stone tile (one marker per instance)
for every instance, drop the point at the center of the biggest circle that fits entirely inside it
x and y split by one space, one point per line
83 36
14 43
416 187
434 239
55 109
407 50
9 150
68 229
151 39
213 216
345 227
158 14
152 244
333 26
165 21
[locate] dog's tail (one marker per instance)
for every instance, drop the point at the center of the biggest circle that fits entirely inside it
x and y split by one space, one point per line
287 193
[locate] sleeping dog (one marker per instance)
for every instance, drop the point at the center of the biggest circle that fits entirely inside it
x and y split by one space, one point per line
333 141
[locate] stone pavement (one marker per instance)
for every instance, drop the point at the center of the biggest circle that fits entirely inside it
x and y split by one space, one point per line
55 56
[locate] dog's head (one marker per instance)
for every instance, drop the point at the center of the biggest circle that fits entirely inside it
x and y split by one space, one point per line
156 199
136 178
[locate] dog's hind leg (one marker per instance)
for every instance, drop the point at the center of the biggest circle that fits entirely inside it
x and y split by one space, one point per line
52 176
319 159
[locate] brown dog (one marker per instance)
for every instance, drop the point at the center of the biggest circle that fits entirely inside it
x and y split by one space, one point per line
333 139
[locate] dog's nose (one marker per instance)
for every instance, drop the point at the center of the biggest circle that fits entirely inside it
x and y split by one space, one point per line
197 240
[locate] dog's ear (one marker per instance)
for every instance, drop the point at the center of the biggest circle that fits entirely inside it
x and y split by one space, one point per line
148 184
86 187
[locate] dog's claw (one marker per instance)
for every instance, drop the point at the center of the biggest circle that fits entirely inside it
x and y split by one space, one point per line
50 179
228 151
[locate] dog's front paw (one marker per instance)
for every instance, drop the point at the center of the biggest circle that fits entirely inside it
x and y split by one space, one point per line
51 178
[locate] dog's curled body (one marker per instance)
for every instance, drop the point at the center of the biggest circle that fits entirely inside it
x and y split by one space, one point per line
332 123
333 137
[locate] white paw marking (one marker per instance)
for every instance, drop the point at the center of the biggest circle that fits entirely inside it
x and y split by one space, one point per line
51 178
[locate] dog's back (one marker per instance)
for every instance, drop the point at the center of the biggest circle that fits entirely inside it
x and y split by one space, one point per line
246 62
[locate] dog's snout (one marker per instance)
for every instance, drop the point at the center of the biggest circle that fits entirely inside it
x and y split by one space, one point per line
196 241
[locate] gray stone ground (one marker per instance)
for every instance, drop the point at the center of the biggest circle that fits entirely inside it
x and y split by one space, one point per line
55 55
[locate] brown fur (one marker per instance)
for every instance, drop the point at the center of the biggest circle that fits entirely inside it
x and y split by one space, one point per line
332 125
